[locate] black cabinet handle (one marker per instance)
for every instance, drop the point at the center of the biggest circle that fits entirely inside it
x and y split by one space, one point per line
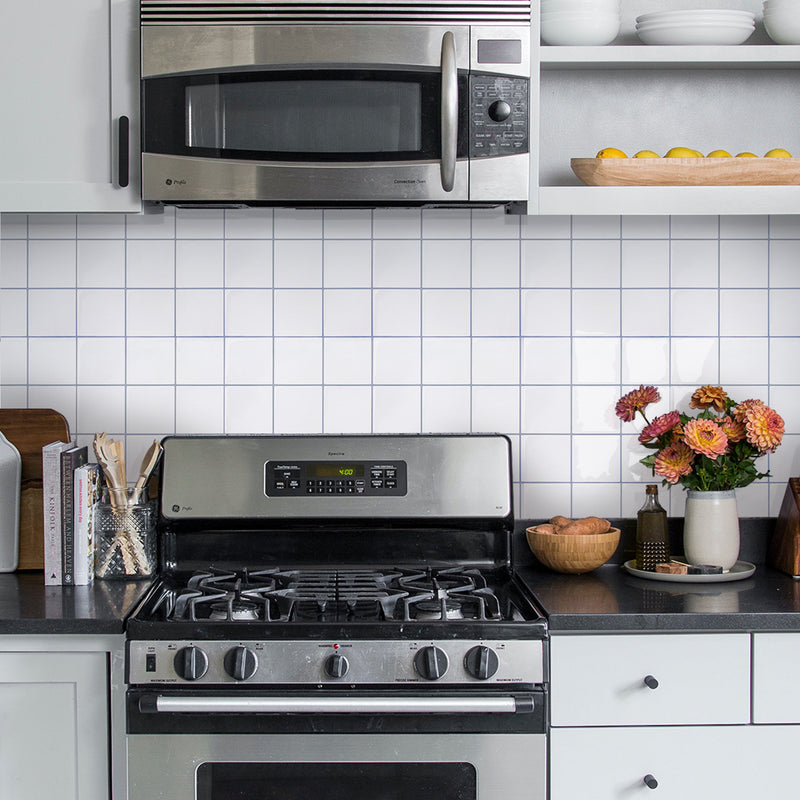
650 782
124 145
650 682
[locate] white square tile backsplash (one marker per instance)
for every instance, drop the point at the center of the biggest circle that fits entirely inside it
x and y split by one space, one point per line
351 321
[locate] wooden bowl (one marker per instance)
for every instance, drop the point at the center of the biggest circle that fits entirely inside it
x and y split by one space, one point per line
573 554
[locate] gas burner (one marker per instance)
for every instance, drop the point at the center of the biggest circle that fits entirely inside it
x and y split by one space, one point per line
334 595
235 610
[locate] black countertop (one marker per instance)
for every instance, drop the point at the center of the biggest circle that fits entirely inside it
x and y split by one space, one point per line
27 606
611 600
606 600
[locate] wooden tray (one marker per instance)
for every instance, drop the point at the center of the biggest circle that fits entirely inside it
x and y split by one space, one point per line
687 171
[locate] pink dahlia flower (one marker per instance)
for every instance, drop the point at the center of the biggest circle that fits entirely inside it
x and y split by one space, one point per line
636 400
659 426
704 436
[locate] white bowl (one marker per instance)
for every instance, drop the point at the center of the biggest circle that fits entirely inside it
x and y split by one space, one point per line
695 34
695 14
783 28
579 30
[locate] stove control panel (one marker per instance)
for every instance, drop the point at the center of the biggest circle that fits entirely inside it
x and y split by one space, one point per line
337 478
347 662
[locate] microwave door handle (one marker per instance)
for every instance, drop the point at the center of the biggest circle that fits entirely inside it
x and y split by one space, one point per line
449 117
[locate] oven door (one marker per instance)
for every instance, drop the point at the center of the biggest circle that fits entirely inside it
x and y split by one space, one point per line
337 767
459 754
305 113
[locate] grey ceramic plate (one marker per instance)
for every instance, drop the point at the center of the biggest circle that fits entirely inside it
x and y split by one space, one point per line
739 571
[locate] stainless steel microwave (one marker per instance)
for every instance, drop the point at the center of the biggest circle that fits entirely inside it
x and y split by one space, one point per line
369 104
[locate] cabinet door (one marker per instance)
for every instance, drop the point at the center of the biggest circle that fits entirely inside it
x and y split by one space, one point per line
680 763
650 679
54 736
69 74
776 692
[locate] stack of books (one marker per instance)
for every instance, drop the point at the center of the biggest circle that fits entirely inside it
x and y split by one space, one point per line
71 488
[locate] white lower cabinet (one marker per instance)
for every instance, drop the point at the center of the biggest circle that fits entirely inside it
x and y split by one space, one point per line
56 717
651 715
678 762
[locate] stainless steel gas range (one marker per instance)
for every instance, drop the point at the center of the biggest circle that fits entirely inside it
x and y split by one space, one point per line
336 615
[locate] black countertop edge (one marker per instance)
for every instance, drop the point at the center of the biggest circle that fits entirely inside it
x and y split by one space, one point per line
29 607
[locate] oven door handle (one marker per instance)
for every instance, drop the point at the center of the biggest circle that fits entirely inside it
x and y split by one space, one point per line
449 115
151 704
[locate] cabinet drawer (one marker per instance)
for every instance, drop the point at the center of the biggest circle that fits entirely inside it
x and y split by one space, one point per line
663 679
686 763
776 686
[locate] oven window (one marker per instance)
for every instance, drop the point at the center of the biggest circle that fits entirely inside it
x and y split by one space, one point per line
337 115
308 116
336 781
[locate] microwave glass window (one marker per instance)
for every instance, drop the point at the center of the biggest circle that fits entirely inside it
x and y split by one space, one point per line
307 116
336 781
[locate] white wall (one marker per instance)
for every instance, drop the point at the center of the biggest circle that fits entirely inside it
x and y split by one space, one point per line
288 321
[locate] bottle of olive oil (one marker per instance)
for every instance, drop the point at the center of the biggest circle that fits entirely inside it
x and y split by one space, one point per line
652 537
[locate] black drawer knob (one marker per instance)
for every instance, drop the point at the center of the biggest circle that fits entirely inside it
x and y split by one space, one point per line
650 682
650 782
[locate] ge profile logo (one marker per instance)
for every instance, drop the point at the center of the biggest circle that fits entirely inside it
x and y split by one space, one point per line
176 509
174 181
169 183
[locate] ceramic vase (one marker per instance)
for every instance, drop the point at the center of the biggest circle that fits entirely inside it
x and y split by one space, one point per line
711 528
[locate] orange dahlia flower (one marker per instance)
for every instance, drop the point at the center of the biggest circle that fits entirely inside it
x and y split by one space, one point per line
708 396
764 428
704 436
740 411
733 429
673 462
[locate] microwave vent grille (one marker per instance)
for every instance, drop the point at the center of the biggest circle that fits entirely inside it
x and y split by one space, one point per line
282 12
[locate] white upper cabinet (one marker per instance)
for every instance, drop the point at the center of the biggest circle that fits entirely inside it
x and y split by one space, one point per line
70 82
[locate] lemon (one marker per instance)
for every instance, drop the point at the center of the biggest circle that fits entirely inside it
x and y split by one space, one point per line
681 152
611 152
746 155
719 154
778 152
646 154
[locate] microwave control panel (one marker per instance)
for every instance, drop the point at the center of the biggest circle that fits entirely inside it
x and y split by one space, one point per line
336 478
498 116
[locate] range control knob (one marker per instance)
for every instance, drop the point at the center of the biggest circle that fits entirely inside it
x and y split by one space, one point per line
499 111
336 666
240 663
481 662
191 663
431 663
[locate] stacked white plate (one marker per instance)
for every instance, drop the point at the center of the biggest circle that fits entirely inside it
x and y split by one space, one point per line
580 22
782 21
700 27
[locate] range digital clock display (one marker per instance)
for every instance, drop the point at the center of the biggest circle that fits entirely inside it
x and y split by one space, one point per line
331 470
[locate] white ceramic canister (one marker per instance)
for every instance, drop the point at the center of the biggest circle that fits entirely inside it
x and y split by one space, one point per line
711 528
10 477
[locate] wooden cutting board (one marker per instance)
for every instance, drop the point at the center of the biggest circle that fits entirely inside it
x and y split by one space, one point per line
687 171
784 547
30 429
